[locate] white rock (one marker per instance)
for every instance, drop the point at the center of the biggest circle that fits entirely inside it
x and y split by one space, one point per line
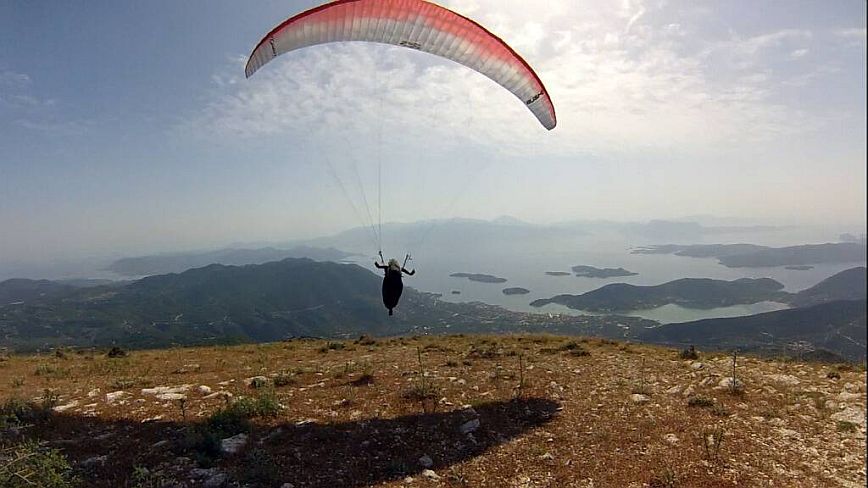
850 414
674 390
688 391
784 379
62 408
469 426
262 380
426 461
204 389
160 390
218 394
114 396
845 396
431 475
671 439
547 457
93 393
697 366
171 396
639 398
232 445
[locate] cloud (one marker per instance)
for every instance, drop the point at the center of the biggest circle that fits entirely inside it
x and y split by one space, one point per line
624 79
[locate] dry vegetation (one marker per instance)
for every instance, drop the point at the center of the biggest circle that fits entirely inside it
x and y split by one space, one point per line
512 411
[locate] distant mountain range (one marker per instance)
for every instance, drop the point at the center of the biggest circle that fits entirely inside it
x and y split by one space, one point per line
752 256
178 262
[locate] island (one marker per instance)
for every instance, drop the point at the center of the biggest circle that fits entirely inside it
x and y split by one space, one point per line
799 267
592 272
515 291
697 293
557 273
482 278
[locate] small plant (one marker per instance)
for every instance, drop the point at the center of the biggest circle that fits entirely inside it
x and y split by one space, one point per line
712 440
366 340
123 383
690 353
451 363
833 375
364 379
45 370
17 382
258 382
700 401
666 479
579 352
844 426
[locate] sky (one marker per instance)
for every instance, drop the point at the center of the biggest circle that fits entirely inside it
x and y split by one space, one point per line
129 127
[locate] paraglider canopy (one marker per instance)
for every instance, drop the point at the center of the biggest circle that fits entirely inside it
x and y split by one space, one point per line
414 24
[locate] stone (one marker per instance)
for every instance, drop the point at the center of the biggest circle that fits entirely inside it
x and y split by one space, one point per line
670 439
845 396
114 396
547 457
216 481
93 393
697 366
231 445
850 414
469 426
731 383
426 461
62 408
94 461
171 396
431 475
204 390
639 398
674 390
160 390
784 379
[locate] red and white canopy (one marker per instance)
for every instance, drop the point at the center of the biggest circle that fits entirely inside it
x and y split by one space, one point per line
415 24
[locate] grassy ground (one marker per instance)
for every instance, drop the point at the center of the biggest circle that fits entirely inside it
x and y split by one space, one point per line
551 411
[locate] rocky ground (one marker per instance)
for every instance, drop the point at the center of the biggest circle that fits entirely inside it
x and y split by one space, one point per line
508 411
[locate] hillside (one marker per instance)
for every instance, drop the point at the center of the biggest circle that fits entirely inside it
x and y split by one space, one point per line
687 292
520 411
847 285
838 326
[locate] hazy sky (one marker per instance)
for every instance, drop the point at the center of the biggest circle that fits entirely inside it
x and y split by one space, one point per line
129 126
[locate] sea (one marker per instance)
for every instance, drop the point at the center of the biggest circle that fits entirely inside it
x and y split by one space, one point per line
524 263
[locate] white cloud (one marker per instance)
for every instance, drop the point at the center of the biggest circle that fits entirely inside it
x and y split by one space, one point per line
620 83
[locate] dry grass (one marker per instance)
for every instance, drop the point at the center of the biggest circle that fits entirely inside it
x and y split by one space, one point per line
362 413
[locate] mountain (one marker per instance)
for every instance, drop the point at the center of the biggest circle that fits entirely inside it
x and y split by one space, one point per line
837 326
687 292
24 290
175 263
829 253
753 256
700 250
849 284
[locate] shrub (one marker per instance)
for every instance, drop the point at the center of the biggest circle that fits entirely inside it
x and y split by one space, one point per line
833 375
284 379
844 426
28 464
689 353
116 352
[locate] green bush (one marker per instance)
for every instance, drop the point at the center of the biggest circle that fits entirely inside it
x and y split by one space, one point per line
28 464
